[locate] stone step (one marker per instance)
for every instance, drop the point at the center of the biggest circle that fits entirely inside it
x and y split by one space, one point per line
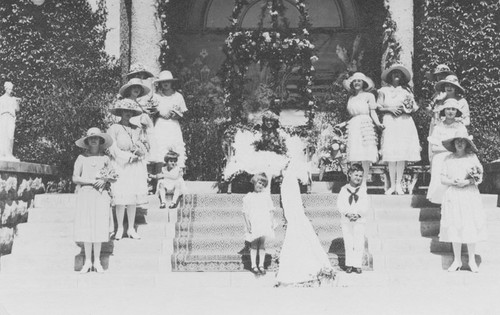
237 244
29 264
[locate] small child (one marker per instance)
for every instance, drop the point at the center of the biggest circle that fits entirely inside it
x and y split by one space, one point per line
258 213
170 180
353 203
91 225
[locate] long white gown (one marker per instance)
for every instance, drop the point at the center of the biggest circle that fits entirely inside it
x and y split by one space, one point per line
302 257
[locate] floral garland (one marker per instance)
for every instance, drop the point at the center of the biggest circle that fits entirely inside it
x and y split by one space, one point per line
278 48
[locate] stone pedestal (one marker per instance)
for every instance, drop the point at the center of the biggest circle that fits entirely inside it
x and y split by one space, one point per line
491 179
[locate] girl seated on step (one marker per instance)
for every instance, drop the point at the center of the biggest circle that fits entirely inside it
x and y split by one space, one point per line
91 175
258 213
170 180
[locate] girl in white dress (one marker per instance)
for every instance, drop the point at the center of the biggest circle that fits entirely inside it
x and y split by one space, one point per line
171 108
128 154
258 213
92 217
361 135
400 142
443 130
462 215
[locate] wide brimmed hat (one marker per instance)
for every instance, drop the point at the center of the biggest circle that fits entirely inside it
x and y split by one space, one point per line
451 103
95 132
134 82
139 68
358 76
451 79
165 75
126 104
400 67
171 155
449 144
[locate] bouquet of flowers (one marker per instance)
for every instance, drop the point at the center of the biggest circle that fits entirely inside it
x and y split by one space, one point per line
332 150
271 141
408 104
108 175
474 173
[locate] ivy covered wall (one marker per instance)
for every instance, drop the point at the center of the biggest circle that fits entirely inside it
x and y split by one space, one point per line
465 35
54 55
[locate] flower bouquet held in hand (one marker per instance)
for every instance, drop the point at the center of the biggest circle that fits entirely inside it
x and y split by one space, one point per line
475 174
106 174
408 104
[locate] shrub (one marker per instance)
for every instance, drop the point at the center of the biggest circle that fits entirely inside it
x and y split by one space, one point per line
54 55
465 35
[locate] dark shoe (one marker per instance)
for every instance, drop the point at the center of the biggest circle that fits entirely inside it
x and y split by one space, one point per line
348 269
262 271
172 205
255 271
163 205
358 270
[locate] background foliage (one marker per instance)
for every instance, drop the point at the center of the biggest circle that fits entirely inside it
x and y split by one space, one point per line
465 35
54 55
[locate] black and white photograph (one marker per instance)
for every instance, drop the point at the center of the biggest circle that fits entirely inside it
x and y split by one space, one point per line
251 157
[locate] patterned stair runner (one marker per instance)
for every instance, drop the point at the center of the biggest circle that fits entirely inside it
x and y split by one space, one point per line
210 232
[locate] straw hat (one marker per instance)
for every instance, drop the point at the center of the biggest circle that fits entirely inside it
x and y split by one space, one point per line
131 83
171 155
106 142
451 79
400 67
126 104
139 68
450 103
449 144
358 76
165 75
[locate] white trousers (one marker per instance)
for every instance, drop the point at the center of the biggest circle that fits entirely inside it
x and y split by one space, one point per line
354 243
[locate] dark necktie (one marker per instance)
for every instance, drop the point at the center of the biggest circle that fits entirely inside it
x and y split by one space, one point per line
353 195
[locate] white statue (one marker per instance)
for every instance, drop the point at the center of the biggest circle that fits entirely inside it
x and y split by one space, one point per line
9 105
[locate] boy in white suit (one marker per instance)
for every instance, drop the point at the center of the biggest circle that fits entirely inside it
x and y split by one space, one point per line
353 204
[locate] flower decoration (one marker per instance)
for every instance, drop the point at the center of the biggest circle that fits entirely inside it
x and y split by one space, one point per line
332 151
107 174
475 174
408 104
278 48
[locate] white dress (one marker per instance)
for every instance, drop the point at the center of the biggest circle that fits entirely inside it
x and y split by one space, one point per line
168 131
258 207
462 215
92 216
400 137
440 132
131 187
361 136
302 257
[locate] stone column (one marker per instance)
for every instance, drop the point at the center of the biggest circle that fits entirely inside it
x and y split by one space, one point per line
402 14
145 34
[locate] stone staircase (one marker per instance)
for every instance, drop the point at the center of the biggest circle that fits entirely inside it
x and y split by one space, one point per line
44 248
208 232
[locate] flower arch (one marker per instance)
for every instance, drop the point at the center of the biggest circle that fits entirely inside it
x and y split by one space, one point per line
283 50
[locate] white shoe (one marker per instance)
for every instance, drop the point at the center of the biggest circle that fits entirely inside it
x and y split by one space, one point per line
455 266
119 234
98 268
473 267
86 267
399 191
389 191
133 234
